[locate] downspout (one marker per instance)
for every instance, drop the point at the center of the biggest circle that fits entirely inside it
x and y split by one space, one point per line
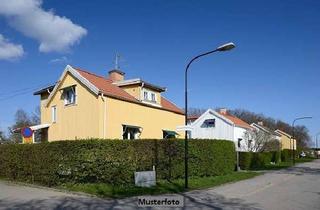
104 115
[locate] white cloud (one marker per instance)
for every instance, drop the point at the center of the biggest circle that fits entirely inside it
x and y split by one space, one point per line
8 50
55 33
62 60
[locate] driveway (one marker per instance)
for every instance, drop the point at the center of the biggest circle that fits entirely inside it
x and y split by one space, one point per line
294 188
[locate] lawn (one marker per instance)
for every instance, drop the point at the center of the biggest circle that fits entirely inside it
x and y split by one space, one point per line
163 186
283 165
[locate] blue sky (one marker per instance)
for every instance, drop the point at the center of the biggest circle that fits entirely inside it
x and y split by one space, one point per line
274 69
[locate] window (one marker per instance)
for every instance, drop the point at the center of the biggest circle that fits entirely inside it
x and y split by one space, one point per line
153 97
54 114
69 95
209 123
145 95
169 134
131 132
239 142
149 96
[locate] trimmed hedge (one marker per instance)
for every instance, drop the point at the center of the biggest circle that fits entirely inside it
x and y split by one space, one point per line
113 161
256 160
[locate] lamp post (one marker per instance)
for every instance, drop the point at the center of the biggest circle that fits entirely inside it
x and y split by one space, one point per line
225 47
293 149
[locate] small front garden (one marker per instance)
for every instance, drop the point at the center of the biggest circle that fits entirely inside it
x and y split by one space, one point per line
163 186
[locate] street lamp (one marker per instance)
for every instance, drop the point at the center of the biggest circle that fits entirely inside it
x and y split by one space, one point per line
225 47
293 151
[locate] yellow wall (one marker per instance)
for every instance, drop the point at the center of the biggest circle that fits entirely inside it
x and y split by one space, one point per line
285 142
152 120
134 90
82 120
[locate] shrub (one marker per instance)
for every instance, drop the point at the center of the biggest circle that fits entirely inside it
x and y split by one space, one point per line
245 160
286 155
275 156
256 160
113 161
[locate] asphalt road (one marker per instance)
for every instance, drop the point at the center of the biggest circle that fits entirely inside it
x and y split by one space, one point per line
294 188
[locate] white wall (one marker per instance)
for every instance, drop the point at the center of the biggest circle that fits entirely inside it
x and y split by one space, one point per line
221 130
239 134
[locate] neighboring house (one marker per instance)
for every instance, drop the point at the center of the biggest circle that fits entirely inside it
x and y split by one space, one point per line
286 140
259 126
84 105
217 125
263 136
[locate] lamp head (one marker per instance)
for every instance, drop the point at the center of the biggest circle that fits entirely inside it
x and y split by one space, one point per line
226 47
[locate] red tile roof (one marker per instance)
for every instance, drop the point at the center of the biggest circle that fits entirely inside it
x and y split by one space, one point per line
236 121
107 88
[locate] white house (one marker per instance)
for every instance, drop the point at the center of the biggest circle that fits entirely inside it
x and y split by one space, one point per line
217 125
273 135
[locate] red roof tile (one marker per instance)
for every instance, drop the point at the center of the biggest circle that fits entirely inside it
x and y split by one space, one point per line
107 88
236 120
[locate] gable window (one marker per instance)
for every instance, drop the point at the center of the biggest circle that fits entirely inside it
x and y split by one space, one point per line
54 114
131 132
69 95
209 123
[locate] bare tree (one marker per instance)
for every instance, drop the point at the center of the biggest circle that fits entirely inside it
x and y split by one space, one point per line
22 119
259 141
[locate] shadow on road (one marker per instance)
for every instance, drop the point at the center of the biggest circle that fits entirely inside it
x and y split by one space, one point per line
300 170
192 200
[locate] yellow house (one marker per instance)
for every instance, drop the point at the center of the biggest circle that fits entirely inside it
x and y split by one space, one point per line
286 140
84 105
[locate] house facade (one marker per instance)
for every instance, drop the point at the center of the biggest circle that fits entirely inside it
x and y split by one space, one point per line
84 105
218 125
286 140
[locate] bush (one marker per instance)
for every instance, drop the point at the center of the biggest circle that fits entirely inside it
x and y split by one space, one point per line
286 155
113 161
245 159
256 160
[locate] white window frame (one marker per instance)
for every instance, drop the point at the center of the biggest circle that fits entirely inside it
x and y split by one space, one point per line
54 114
153 97
70 101
145 95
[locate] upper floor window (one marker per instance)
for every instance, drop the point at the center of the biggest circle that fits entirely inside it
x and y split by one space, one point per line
69 95
153 97
145 95
149 96
209 123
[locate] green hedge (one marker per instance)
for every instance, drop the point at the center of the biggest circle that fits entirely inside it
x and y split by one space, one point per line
113 161
286 155
256 160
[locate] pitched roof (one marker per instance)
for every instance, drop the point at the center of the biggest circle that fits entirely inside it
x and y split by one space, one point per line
283 133
107 88
236 121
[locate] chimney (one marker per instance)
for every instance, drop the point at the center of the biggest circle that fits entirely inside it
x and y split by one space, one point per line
116 75
260 123
223 111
